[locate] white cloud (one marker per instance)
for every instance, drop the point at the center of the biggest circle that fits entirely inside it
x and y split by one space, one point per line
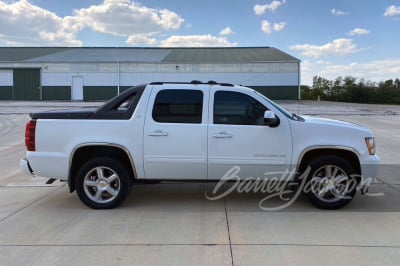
261 9
125 18
25 24
141 39
337 12
307 72
226 31
338 47
392 11
266 27
374 71
279 26
359 31
197 41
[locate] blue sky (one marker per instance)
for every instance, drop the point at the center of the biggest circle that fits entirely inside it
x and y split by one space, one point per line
331 37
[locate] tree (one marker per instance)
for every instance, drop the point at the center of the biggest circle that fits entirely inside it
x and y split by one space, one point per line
349 81
397 83
338 82
348 90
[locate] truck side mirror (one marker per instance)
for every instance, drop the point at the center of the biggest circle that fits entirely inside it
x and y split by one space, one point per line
270 119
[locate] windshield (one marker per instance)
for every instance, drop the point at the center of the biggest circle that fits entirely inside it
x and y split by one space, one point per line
280 108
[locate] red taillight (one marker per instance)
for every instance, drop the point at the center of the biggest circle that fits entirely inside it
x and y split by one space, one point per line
30 135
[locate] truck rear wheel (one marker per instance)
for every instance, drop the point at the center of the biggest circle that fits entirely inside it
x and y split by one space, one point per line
103 183
332 182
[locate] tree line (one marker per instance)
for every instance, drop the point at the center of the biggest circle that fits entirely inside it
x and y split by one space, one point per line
351 89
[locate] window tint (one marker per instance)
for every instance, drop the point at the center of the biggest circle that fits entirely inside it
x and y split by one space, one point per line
178 106
236 108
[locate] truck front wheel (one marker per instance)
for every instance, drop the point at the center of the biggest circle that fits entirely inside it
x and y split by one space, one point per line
332 182
103 183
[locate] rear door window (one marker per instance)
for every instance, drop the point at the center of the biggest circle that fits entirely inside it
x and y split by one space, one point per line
178 106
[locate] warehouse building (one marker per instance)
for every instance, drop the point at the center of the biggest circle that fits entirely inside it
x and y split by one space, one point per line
94 73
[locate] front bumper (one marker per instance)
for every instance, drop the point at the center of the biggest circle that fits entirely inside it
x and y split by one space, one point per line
370 167
25 167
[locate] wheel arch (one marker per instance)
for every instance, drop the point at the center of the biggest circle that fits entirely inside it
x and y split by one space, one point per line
85 152
347 153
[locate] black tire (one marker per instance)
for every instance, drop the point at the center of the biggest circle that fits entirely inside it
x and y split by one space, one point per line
331 183
103 183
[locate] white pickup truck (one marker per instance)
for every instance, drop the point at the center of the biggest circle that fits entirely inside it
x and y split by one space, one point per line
198 131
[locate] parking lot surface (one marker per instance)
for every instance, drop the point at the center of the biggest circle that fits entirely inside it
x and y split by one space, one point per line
174 224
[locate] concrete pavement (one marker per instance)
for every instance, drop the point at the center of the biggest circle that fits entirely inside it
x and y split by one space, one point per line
173 224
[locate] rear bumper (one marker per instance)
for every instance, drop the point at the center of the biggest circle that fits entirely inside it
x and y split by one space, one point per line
25 167
47 164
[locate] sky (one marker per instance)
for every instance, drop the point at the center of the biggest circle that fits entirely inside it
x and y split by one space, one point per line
332 38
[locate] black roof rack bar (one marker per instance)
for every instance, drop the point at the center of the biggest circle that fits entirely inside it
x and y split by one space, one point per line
211 82
225 84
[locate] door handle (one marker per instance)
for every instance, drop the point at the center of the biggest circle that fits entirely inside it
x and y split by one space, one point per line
222 135
157 133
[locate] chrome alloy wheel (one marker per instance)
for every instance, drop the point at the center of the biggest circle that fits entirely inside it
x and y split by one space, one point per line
330 183
101 184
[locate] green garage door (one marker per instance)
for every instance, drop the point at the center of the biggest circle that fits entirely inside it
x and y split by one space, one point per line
26 84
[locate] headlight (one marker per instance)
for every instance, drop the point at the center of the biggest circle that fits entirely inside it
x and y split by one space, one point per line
370 141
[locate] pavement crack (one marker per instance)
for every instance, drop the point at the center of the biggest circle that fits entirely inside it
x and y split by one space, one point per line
392 186
29 204
94 245
229 232
321 245
109 245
